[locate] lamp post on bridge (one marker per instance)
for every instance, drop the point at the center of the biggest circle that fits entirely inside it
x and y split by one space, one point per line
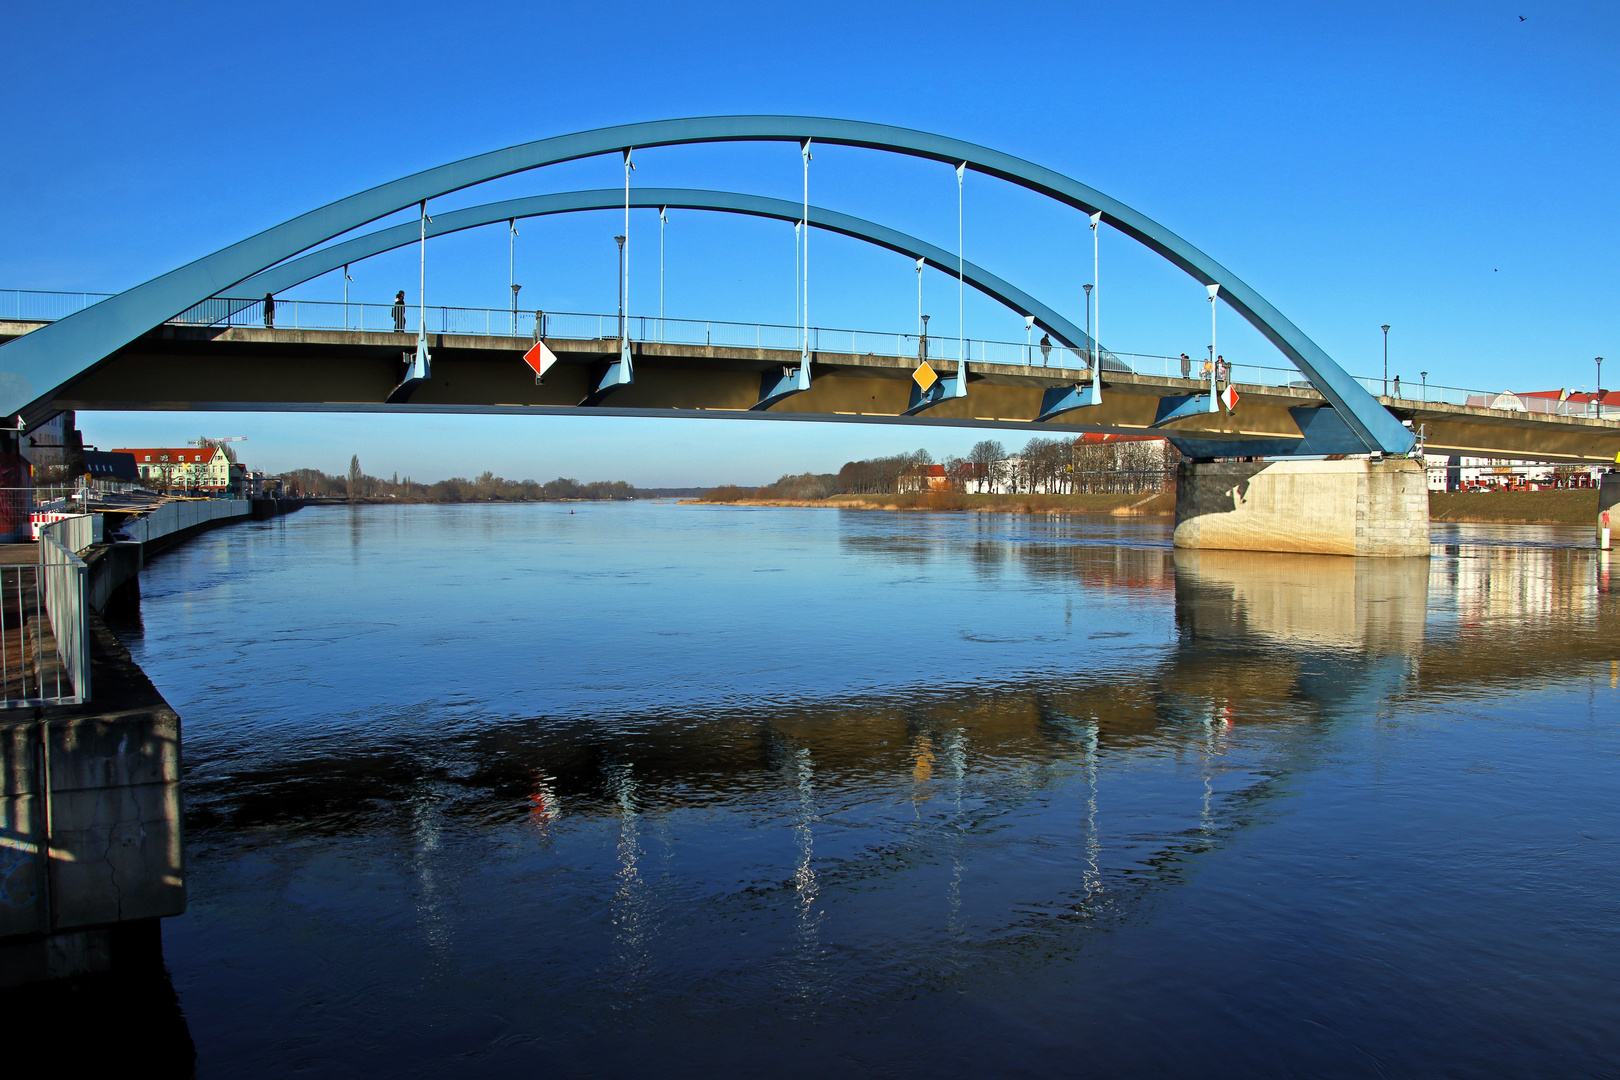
1424 375
922 327
620 241
1386 359
1597 409
1088 324
511 268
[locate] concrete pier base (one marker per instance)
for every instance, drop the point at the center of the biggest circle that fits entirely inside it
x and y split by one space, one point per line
1350 507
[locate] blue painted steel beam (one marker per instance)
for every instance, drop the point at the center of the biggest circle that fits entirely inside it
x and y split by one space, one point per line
1061 399
1324 431
774 386
945 388
1180 407
38 363
614 374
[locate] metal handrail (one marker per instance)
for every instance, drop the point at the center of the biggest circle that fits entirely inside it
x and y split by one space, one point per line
64 577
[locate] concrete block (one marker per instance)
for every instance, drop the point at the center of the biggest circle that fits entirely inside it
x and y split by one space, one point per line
99 752
1348 507
116 855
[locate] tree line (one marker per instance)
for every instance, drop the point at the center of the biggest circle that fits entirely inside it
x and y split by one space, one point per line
487 487
1044 465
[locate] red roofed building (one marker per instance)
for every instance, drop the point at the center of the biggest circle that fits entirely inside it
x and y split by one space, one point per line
925 478
188 468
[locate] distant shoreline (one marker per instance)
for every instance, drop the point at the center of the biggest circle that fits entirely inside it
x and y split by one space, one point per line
1576 506
1153 504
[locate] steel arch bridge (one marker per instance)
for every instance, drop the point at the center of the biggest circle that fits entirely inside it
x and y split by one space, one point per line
41 367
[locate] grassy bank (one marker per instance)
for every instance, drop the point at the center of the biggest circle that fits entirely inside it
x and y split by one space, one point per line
1575 507
1162 504
1571 507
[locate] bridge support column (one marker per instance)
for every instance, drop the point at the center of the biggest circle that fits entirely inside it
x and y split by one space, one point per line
1349 507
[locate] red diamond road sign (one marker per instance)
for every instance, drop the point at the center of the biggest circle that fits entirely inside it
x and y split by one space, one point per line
540 358
1230 397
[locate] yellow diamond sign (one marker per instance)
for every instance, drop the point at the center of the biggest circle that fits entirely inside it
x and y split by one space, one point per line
925 376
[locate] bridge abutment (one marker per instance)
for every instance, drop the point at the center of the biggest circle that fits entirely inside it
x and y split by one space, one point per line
1348 507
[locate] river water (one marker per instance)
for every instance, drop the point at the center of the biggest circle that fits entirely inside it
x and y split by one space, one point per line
651 789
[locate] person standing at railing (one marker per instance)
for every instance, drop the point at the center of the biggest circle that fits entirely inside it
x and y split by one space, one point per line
1397 386
399 312
1046 350
1186 366
270 312
1222 370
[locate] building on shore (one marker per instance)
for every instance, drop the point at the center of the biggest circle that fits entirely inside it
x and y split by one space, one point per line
1458 473
205 470
110 470
924 478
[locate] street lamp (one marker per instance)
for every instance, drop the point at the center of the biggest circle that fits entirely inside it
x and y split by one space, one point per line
620 241
1386 359
1425 376
1598 408
511 268
920 327
1088 324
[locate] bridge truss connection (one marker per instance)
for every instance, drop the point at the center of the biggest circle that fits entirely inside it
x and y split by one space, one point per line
113 352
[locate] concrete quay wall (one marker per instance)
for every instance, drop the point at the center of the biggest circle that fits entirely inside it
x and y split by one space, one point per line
1347 507
90 822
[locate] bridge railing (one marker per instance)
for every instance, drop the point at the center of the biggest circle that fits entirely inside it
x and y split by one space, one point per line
1420 393
44 306
44 620
34 305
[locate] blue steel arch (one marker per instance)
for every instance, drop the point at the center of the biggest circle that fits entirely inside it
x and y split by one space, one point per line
324 260
38 363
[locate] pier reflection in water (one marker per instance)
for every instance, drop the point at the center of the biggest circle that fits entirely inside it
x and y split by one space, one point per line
684 789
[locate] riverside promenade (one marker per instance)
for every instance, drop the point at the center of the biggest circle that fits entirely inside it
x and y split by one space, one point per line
91 851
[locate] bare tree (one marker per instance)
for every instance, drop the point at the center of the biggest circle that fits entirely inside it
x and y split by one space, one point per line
207 443
986 456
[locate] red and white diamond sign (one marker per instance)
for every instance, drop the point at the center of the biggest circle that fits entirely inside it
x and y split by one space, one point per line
1229 397
540 358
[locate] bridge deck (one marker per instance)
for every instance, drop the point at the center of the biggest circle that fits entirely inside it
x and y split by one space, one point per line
255 368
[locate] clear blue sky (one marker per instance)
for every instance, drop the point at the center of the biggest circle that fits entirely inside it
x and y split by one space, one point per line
1446 168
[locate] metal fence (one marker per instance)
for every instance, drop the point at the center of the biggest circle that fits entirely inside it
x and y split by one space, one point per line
31 305
65 578
44 621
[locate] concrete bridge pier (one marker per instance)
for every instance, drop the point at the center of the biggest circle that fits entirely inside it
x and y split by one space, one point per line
1353 506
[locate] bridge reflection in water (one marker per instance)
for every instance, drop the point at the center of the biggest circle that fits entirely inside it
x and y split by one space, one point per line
728 875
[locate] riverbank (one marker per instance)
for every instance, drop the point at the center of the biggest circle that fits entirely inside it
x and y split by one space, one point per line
1152 504
1571 507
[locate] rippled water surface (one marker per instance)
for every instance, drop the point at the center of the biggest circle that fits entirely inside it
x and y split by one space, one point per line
684 791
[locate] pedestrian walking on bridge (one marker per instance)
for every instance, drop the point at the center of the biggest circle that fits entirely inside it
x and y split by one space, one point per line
269 312
1397 386
399 312
1186 366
